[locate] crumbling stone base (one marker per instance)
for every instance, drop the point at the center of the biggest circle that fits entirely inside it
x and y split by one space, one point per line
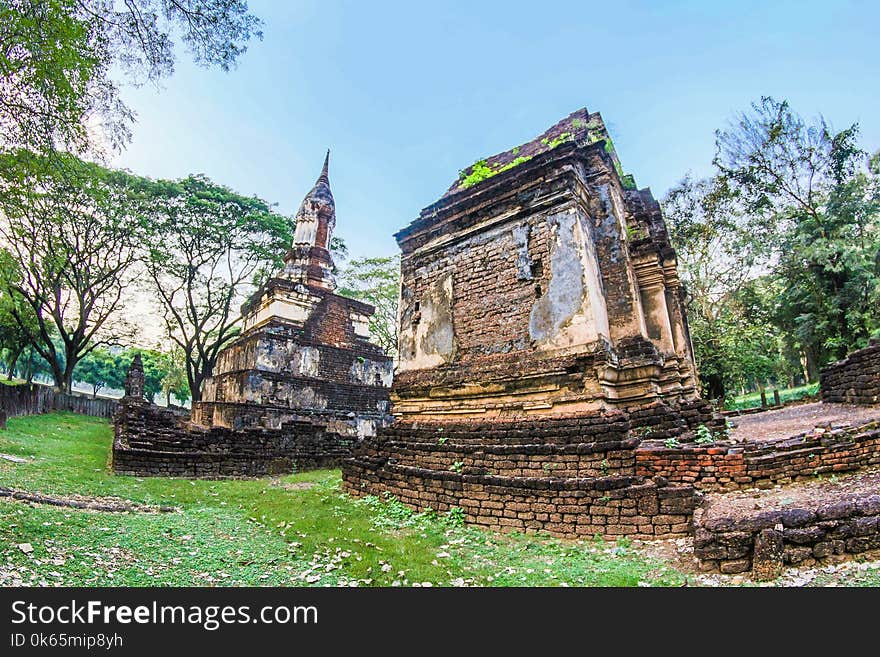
153 441
836 522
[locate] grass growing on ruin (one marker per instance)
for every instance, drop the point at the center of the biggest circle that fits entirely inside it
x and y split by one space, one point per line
296 530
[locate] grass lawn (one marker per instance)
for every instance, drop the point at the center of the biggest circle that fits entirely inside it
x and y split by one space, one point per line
293 530
753 399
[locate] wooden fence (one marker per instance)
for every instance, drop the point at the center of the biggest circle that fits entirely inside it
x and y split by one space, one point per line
33 399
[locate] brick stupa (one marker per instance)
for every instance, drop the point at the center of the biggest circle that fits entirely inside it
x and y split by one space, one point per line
542 337
305 352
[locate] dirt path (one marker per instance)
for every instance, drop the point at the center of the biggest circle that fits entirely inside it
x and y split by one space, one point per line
793 420
808 495
107 504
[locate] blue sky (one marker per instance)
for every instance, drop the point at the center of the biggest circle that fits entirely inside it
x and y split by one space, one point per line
407 93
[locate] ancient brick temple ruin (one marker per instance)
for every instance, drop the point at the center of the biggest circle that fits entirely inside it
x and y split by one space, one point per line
305 352
297 389
542 337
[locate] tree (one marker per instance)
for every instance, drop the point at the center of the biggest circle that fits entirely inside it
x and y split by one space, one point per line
57 57
816 198
718 252
100 369
210 248
376 281
15 335
30 365
73 229
175 381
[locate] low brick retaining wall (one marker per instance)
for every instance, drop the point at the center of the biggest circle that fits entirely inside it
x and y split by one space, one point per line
567 475
153 441
575 476
731 466
855 379
609 506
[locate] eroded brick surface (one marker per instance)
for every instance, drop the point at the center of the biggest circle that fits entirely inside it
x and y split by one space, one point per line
542 337
297 390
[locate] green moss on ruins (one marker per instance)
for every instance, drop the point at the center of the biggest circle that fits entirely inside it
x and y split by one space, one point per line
480 171
561 139
583 128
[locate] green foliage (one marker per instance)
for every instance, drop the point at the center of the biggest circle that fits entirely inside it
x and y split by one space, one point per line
457 466
671 443
175 382
481 171
778 252
704 435
18 324
73 229
100 369
818 197
58 57
376 281
557 141
208 249
753 399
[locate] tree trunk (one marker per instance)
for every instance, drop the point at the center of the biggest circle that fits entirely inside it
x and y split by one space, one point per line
70 361
812 368
12 363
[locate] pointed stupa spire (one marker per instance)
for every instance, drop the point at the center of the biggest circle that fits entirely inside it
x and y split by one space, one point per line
309 259
320 198
325 172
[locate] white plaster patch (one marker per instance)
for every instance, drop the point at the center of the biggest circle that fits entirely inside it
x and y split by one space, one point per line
565 314
430 341
309 361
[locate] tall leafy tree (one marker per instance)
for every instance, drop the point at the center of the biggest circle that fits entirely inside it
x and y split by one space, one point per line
718 253
73 229
376 281
814 194
57 59
175 381
210 249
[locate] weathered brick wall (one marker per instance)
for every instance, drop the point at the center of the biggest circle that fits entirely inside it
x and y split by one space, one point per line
529 290
609 506
764 542
855 379
586 446
568 475
763 463
409 459
152 441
